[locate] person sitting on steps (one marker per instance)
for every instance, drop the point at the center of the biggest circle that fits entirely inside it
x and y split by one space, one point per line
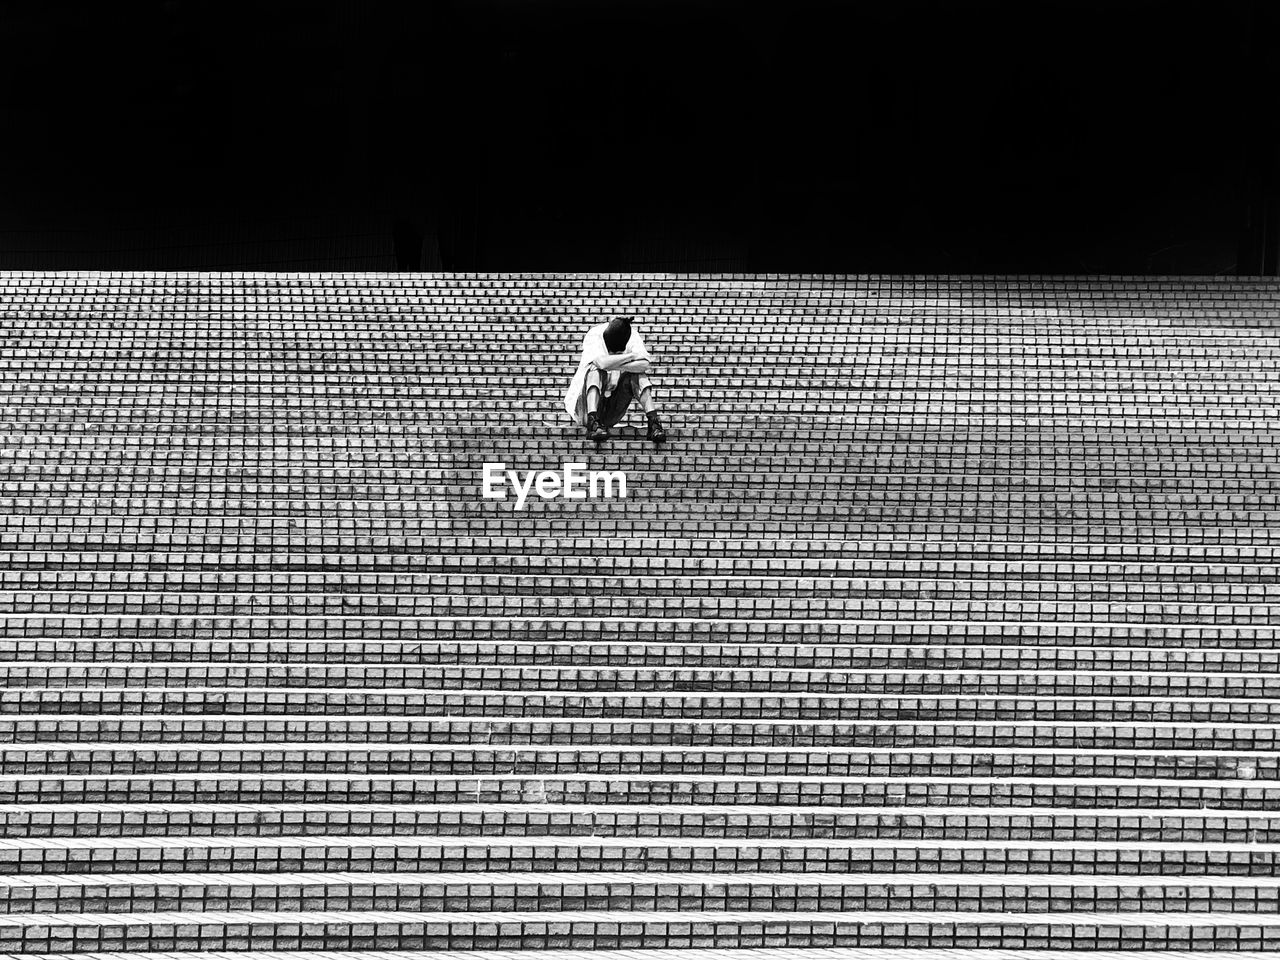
613 369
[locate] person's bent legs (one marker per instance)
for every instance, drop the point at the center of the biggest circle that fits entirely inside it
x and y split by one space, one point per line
603 412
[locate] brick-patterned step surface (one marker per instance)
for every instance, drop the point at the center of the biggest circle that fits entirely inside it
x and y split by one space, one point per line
1078 703
36 567
506 760
1228 605
149 637
675 953
705 854
1242 791
664 820
947 620
641 891
98 664
462 730
455 931
30 592
1013 679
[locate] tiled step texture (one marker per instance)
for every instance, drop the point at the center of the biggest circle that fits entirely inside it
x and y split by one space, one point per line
947 621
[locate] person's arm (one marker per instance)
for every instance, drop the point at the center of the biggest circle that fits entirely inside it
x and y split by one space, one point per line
635 359
629 361
636 364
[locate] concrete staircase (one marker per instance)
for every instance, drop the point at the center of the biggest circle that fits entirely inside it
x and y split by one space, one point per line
947 619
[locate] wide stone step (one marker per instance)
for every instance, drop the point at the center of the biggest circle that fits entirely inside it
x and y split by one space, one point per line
666 820
354 728
989 894
885 578
1016 496
238 496
945 390
669 664
678 311
693 362
936 466
677 953
33 681
100 565
167 932
539 853
700 362
781 318
328 639
525 321
776 327
749 421
307 535
112 550
104 662
99 318
956 409
32 403
84 759
1004 584
891 600
532 702
693 389
647 790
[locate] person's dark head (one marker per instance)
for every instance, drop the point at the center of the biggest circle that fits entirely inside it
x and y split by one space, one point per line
616 334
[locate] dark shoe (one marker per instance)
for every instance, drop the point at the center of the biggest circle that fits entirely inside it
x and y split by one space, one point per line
596 430
656 433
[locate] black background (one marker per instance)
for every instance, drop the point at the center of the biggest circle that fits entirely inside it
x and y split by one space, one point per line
1117 137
